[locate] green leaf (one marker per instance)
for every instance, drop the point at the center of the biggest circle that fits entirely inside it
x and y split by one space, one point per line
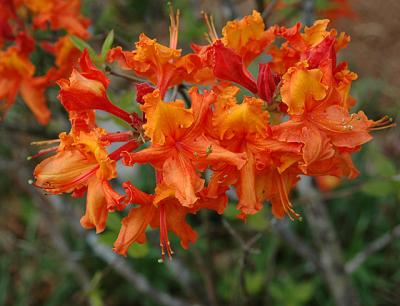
107 44
378 188
82 45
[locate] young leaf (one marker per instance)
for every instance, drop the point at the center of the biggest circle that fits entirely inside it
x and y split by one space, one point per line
107 44
82 45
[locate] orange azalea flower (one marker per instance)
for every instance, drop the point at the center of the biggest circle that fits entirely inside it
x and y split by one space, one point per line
315 45
161 211
244 128
60 14
160 64
86 90
180 149
248 37
82 163
228 57
17 76
319 118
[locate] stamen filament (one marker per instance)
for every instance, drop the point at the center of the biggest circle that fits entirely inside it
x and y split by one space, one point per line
164 241
287 206
42 152
44 142
174 27
212 33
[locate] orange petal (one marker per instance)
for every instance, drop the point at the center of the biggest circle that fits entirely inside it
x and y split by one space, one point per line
247 36
133 227
64 172
299 85
180 175
96 206
176 215
165 120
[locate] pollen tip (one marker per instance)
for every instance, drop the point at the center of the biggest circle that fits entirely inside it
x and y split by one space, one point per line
160 260
30 182
28 157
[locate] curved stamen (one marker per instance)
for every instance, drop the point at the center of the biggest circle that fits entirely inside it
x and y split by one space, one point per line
384 123
287 206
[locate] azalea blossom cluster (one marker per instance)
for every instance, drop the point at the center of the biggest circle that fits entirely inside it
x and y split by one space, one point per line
27 26
231 129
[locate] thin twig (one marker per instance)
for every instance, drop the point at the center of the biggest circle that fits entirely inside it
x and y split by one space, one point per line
245 246
330 252
371 248
268 10
130 78
295 242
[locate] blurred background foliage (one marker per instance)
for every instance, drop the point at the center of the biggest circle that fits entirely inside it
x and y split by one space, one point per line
48 260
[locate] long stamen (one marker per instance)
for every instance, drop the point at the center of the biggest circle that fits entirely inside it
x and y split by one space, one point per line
164 241
174 27
212 33
384 123
42 152
44 142
287 206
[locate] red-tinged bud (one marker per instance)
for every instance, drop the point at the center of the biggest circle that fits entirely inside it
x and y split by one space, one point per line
267 82
142 89
229 66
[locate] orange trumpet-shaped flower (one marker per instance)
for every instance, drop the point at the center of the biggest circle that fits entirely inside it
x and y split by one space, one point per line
319 118
227 58
86 90
180 149
162 65
82 163
244 128
17 76
315 45
161 211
